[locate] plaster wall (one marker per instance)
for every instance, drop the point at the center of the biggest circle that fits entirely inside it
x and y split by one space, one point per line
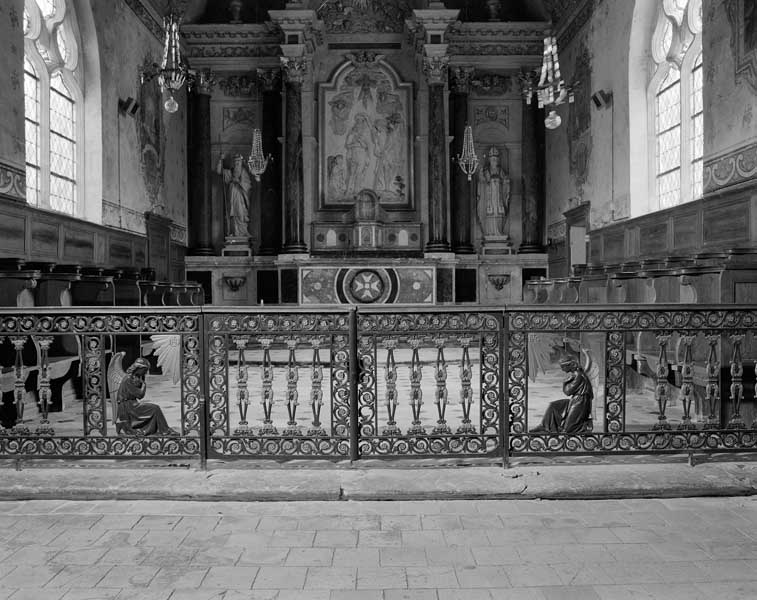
132 186
11 97
588 156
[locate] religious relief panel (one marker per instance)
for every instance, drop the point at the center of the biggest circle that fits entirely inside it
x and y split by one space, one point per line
365 134
151 135
364 16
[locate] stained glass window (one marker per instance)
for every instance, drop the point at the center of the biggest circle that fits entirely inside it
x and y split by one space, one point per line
51 110
697 131
668 130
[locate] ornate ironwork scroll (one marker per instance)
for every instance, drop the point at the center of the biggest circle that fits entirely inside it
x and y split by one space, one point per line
218 368
391 399
416 393
368 417
243 393
190 384
316 389
340 392
43 384
441 387
518 387
466 390
267 398
19 384
662 387
615 383
293 377
95 422
737 387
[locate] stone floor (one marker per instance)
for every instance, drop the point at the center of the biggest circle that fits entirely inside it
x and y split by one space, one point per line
641 408
696 548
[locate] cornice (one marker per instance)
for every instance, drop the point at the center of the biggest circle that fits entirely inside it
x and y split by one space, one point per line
146 13
12 182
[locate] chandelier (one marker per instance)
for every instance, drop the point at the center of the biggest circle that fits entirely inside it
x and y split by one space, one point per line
172 73
468 161
257 161
551 91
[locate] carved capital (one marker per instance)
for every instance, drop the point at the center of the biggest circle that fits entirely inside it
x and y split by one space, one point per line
269 79
460 79
435 68
294 68
237 85
204 82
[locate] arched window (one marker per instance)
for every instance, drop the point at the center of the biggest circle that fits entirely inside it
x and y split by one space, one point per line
675 94
53 106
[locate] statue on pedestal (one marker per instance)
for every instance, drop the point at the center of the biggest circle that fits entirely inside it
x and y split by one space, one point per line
493 198
237 186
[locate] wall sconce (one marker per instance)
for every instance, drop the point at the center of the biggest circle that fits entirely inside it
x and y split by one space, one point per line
234 283
499 281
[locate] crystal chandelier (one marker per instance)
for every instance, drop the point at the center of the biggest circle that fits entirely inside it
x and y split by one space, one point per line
172 73
468 161
551 90
257 161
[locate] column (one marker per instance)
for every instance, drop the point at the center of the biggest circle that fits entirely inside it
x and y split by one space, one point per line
533 179
435 68
461 187
200 169
294 69
270 197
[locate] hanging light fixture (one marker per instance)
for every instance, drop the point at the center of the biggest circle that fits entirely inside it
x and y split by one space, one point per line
172 73
468 161
257 161
551 90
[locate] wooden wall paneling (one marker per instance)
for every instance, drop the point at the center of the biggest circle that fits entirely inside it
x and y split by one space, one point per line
12 233
45 239
653 237
727 224
614 246
78 245
686 230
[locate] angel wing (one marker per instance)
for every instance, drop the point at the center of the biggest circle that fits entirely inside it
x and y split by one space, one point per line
167 348
116 372
540 348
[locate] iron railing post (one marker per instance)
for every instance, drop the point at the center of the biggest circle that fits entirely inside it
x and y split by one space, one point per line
204 433
504 404
354 382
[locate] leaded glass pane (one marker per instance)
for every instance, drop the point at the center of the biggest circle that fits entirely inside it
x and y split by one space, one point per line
669 189
61 194
61 108
47 7
60 38
32 185
669 150
62 156
667 38
31 131
43 52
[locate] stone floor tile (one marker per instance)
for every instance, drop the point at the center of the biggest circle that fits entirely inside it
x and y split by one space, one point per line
240 540
75 538
76 521
77 576
431 577
529 575
115 521
573 574
466 594
178 577
431 537
280 578
626 573
466 537
677 591
568 593
495 555
594 535
120 538
162 538
482 577
587 553
356 595
221 557
254 594
443 522
230 523
30 576
735 590
632 552
148 594
197 594
131 576
379 538
152 522
456 556
32 593
292 538
302 595
264 556
410 595
79 556
719 550
336 538
32 555
382 578
355 522
169 557
402 557
331 578
310 557
728 570
544 553
91 594
480 522
271 523
356 557
237 578
126 555
401 522
676 551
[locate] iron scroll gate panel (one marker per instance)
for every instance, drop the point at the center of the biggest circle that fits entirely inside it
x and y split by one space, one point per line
278 384
430 383
665 379
42 349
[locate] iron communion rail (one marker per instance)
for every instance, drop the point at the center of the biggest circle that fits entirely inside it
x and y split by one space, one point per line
372 383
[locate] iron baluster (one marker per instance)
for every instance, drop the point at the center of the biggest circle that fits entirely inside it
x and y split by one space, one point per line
661 387
416 394
737 387
293 377
441 387
466 391
316 393
267 398
44 385
687 382
712 389
243 394
19 384
390 374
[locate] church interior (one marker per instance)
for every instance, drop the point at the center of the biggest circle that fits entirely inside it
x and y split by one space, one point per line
253 156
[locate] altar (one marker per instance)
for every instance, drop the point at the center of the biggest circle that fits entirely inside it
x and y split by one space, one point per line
357 189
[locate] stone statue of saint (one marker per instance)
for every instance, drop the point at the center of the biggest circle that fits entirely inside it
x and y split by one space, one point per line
133 416
237 183
572 413
493 197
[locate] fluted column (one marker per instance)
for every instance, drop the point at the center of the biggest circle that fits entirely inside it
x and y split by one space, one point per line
461 187
294 70
200 169
435 68
533 179
270 201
